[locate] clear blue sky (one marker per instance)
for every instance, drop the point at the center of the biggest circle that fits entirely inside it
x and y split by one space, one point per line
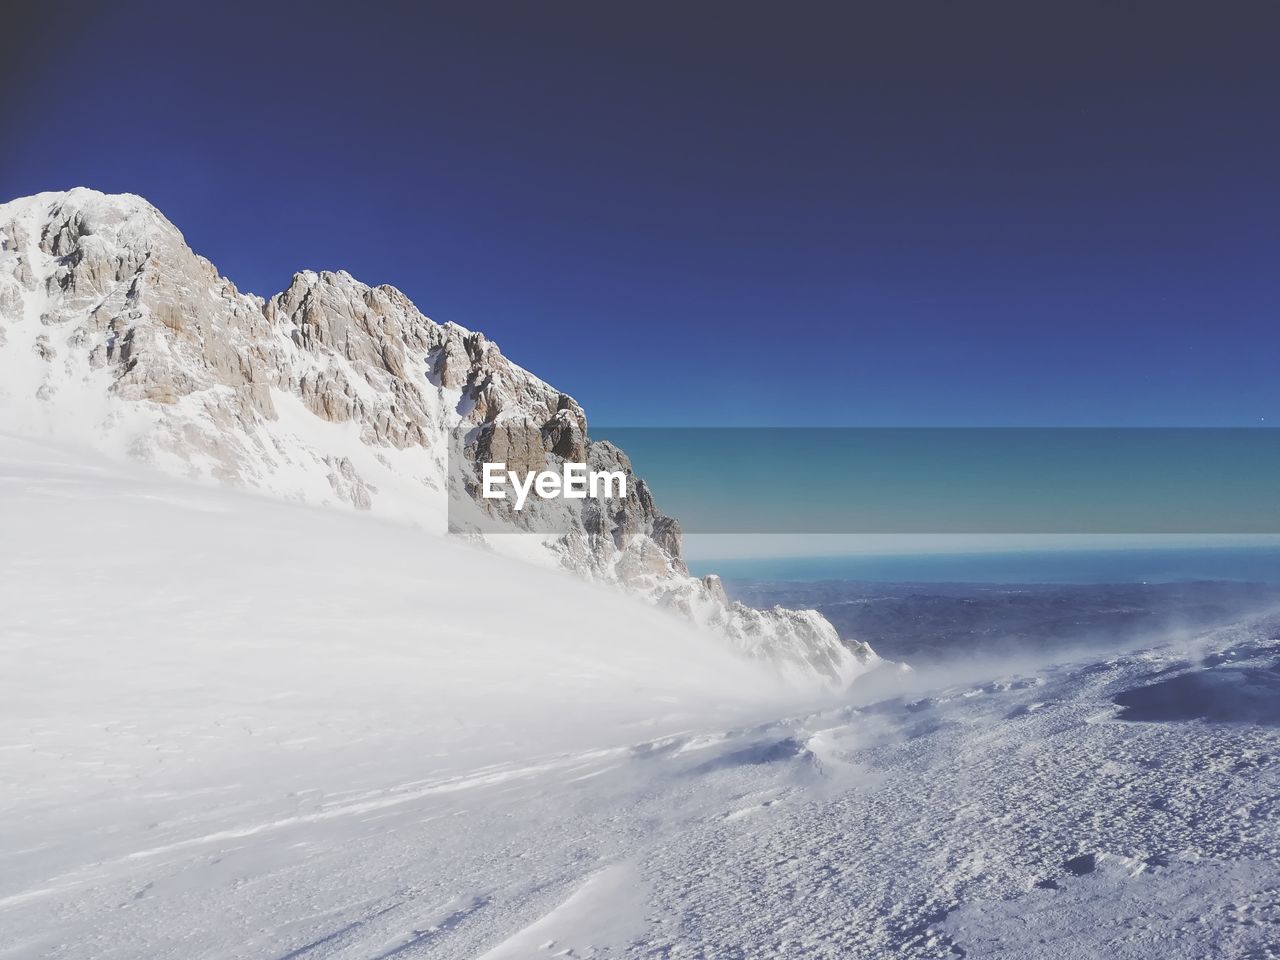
723 214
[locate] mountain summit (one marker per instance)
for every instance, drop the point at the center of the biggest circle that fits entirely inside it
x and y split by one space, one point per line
113 332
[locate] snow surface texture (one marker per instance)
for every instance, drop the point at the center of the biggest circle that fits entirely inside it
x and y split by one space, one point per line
220 739
115 334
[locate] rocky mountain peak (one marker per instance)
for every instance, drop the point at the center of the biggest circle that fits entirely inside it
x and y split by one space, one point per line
332 391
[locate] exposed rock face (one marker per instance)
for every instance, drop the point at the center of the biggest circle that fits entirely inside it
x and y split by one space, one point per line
114 331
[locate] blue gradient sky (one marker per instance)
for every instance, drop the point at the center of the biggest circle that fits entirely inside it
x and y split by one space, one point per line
865 214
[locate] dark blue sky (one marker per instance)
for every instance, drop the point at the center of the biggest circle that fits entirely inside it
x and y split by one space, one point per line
890 213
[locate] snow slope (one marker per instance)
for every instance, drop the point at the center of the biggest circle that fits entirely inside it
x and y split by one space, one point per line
217 741
185 668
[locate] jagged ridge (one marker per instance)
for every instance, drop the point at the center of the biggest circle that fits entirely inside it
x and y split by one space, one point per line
112 330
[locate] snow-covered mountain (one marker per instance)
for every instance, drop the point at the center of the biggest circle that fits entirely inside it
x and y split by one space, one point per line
114 333
233 727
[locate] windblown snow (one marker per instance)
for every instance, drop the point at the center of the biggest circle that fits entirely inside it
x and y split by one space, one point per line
222 738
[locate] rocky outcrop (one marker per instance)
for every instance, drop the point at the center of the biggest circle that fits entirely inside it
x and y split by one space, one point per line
331 391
